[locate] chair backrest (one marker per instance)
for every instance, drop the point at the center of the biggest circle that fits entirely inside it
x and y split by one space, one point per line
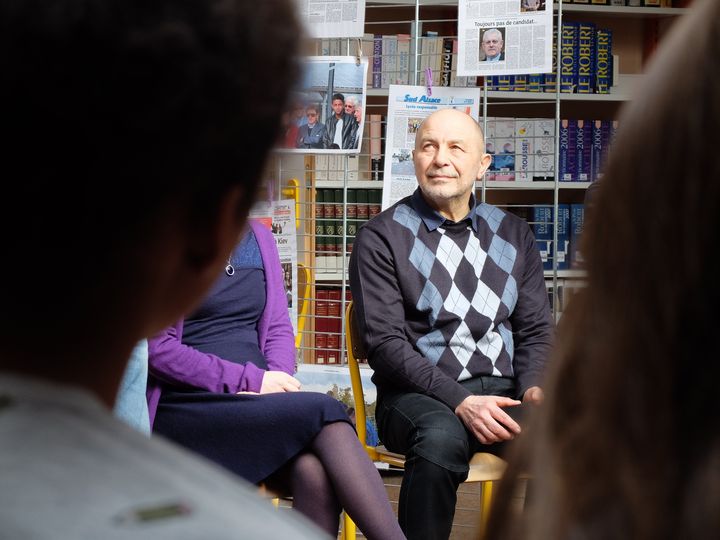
304 287
355 352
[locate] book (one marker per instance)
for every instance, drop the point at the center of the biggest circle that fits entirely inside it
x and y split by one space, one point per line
403 59
351 217
504 160
567 151
600 138
569 57
542 225
524 151
321 314
446 68
374 202
377 61
334 326
339 228
577 221
389 68
375 123
544 149
583 150
603 61
562 253
550 79
586 58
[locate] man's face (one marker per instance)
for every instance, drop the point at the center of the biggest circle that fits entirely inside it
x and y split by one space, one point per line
337 106
492 43
349 107
312 116
448 157
358 114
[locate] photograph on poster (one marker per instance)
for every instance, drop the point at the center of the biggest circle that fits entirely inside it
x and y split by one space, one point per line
326 111
492 43
532 5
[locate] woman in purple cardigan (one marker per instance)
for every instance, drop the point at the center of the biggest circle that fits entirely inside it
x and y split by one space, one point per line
221 385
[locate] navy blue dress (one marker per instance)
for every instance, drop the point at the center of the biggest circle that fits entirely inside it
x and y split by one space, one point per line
252 435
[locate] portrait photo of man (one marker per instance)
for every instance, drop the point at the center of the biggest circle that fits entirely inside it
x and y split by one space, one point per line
491 45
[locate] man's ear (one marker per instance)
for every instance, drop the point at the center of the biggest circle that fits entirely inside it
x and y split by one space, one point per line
485 162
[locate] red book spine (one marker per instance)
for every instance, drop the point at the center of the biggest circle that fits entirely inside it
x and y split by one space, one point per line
334 326
321 314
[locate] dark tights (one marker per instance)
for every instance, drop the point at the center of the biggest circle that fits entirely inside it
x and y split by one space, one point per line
336 473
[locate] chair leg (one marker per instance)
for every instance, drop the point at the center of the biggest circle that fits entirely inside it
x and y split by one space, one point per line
485 503
349 530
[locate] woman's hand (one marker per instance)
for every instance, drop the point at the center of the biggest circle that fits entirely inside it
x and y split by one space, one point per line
278 381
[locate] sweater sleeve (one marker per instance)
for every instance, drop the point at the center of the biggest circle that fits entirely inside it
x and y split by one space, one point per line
275 329
380 318
179 365
533 328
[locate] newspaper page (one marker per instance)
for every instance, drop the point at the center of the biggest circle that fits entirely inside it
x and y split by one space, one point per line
504 37
408 106
279 217
333 18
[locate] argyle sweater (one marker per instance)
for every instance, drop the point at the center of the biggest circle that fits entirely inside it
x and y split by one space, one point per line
438 302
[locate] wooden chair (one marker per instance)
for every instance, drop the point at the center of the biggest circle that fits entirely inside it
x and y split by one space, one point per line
484 467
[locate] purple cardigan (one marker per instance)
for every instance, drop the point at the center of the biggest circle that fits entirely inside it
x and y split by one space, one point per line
174 363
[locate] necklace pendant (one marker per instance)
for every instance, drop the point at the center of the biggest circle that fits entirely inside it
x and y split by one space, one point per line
229 270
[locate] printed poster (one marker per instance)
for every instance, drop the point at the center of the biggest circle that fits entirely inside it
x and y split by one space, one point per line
279 218
504 37
408 106
333 18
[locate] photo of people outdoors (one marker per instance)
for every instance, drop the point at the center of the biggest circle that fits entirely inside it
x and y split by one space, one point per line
491 45
532 5
326 113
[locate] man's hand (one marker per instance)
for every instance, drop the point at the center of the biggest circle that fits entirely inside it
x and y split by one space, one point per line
533 395
484 417
278 381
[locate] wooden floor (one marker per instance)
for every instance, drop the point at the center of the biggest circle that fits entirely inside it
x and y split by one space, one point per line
468 518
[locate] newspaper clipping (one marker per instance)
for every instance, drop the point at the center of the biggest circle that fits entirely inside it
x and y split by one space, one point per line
408 106
279 217
504 37
333 18
325 114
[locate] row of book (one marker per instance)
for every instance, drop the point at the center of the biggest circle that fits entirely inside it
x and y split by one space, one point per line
328 325
392 60
587 64
570 220
330 216
633 3
523 149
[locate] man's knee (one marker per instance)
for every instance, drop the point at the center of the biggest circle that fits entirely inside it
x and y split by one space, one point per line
443 442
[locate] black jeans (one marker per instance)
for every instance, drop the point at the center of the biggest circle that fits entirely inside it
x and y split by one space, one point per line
437 449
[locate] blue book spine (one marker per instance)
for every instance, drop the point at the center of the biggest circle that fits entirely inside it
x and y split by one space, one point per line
563 237
596 153
569 57
550 79
520 83
603 61
535 83
504 83
568 151
586 58
577 220
542 217
377 62
583 147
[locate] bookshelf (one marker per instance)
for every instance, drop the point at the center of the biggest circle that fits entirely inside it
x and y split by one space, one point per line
635 33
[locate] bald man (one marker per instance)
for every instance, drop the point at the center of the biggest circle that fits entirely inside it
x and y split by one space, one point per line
452 308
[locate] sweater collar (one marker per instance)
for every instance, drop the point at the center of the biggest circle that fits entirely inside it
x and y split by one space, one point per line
433 219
